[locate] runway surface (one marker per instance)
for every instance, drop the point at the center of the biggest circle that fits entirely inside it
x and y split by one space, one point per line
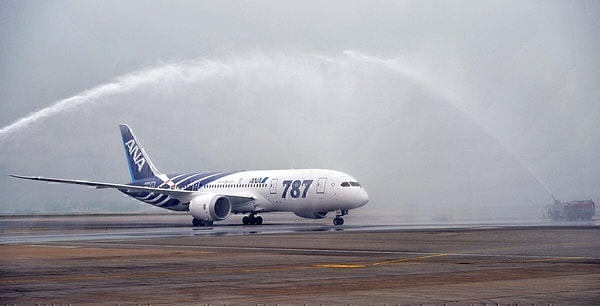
160 259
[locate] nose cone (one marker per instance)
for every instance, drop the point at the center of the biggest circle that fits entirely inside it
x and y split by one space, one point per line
362 198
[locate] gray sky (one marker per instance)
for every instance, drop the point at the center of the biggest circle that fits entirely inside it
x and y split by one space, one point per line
439 108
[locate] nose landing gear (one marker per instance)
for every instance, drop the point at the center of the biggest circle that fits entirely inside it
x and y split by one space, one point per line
338 220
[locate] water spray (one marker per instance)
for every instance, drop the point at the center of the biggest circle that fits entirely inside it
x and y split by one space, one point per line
197 71
455 101
166 73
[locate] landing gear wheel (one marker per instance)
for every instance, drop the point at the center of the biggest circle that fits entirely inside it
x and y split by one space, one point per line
338 221
195 222
252 220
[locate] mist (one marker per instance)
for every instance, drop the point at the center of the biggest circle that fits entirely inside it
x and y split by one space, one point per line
464 131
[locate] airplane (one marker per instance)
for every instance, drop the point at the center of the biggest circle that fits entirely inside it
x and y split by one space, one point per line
214 196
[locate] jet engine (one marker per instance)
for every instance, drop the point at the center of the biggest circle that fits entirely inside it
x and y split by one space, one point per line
210 207
312 214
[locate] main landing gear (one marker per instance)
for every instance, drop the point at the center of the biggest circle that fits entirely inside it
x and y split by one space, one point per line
338 220
196 222
252 219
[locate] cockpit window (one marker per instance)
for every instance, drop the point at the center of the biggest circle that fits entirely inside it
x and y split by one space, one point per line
349 184
345 184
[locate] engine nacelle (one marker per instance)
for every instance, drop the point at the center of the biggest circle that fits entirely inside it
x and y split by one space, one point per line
312 214
210 207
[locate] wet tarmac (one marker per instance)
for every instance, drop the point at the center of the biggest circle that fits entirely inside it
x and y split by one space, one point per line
149 259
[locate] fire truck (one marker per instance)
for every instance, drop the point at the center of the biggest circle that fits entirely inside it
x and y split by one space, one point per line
571 211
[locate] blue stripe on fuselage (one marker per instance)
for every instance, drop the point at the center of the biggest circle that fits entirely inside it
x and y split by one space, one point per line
187 181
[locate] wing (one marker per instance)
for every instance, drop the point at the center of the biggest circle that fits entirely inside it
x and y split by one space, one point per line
182 195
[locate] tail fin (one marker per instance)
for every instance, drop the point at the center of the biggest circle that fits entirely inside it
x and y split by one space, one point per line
140 166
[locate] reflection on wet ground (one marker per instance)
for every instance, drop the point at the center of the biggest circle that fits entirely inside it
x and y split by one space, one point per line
38 229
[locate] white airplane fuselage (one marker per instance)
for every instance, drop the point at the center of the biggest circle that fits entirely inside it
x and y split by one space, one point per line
295 190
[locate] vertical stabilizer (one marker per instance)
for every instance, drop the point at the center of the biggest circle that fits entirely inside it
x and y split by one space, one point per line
140 166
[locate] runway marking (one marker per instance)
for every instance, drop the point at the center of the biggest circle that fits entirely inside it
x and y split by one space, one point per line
167 274
387 262
341 266
501 258
421 255
379 263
